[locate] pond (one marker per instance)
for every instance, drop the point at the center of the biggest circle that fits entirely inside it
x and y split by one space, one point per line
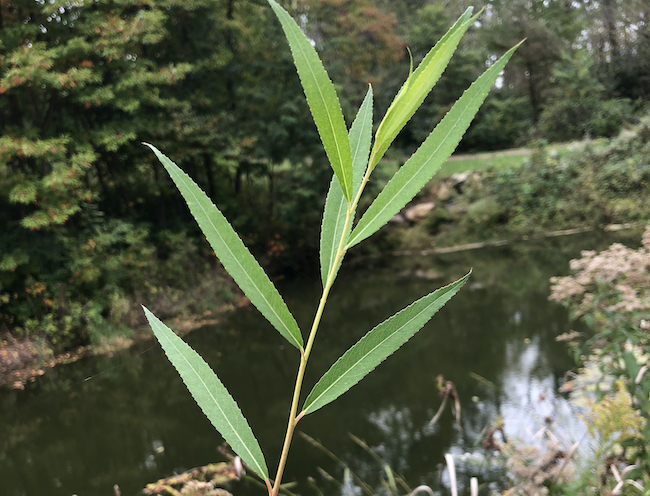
128 419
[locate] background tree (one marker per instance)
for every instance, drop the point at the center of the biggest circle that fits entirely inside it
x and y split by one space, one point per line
551 28
82 86
618 35
356 40
84 209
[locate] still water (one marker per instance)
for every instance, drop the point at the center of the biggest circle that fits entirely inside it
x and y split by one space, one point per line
128 419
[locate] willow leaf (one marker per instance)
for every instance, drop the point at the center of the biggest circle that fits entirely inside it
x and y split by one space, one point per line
322 99
360 138
234 255
332 228
426 161
376 346
419 85
336 207
211 396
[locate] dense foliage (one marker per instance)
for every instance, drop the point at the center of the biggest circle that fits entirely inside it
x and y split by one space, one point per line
85 211
590 186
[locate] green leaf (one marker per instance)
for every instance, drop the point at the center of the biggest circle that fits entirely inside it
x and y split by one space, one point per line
336 206
376 346
322 99
360 139
332 228
426 161
211 396
234 255
418 85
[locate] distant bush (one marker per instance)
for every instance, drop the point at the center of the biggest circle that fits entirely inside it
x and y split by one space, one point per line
566 120
587 186
610 117
75 288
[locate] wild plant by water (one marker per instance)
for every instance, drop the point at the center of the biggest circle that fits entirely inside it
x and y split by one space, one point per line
610 292
353 156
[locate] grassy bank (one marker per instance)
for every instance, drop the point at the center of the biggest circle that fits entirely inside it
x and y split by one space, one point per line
513 157
494 197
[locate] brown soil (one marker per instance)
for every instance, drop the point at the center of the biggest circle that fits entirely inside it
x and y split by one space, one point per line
20 361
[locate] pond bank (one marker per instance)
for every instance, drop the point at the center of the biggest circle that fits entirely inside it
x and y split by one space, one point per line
23 360
502 242
128 420
591 186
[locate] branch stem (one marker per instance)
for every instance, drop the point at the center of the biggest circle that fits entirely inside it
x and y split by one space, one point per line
304 355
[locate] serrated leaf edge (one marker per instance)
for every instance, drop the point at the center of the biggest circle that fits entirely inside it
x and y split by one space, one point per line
153 320
182 176
445 289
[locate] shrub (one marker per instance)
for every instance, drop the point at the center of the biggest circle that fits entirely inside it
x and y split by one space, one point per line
610 292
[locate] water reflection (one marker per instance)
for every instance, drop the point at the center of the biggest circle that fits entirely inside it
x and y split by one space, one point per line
525 399
133 422
399 436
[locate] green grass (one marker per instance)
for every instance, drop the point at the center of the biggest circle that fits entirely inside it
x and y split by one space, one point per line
506 158
481 161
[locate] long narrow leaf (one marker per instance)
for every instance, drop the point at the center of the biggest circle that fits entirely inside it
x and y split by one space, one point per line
211 396
426 161
360 138
322 99
234 255
332 228
419 85
376 346
336 206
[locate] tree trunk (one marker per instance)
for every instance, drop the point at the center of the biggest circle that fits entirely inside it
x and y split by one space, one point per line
207 163
232 46
120 178
160 209
610 28
533 92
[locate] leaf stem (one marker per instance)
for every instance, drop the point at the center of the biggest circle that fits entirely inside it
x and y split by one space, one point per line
293 419
290 427
304 355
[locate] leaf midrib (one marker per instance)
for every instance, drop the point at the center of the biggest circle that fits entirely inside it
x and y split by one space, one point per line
329 116
334 247
178 350
364 125
232 255
366 354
